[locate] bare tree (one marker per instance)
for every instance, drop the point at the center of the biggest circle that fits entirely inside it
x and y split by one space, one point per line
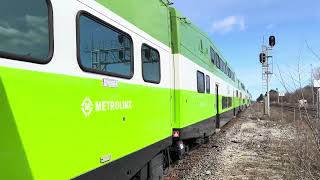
312 51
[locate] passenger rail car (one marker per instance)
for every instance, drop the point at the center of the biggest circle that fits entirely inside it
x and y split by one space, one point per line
104 89
207 92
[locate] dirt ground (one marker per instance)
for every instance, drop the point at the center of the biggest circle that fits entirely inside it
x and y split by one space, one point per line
255 147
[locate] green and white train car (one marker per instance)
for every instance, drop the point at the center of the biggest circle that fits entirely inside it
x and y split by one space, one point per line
97 89
206 89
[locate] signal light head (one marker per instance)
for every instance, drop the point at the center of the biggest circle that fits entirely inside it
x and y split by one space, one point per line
272 41
263 58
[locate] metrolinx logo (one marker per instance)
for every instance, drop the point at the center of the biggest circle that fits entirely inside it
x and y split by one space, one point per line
87 107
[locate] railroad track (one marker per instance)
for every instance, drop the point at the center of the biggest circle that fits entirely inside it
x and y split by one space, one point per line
310 111
311 117
179 168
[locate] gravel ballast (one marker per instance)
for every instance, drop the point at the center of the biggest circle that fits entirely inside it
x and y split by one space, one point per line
253 146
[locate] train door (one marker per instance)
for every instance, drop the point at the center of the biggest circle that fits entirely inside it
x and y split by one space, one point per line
217 107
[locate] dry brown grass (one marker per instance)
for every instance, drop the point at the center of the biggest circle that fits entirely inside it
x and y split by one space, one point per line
304 155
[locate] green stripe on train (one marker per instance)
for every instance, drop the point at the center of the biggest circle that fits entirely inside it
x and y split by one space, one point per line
44 133
192 107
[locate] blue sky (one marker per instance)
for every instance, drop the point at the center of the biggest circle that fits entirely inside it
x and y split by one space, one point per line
238 28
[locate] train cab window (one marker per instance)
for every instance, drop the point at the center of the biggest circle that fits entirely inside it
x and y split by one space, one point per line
200 82
150 64
208 84
26 30
102 48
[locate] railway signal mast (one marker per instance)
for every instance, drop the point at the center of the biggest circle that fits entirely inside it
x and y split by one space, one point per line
266 60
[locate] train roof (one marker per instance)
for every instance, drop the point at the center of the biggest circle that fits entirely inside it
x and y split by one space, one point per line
151 16
187 39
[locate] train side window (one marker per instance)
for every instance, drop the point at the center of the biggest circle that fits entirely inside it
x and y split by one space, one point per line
226 102
226 69
208 84
102 48
216 59
201 45
223 66
26 30
150 64
212 55
200 82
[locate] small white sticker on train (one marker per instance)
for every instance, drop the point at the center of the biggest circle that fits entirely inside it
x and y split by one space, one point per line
112 83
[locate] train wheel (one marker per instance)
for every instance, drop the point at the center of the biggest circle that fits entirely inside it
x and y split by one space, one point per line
180 149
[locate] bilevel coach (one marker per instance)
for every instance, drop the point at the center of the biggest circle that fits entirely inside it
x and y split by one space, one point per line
105 89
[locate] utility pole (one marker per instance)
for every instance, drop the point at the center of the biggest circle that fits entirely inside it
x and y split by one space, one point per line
316 84
318 105
267 70
281 95
312 85
278 95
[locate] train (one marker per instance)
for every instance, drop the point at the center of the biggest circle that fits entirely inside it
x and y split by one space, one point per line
106 89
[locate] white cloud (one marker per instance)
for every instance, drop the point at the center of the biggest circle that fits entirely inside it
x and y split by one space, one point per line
33 32
28 38
229 24
270 26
